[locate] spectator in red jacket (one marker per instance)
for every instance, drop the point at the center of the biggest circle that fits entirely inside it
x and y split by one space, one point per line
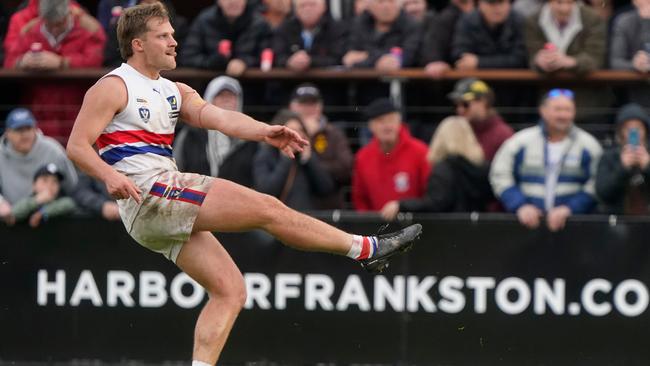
58 39
393 165
21 17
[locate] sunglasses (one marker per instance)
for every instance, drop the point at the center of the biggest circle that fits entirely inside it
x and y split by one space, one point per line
554 93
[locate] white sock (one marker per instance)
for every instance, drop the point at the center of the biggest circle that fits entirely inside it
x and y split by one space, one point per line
363 247
200 363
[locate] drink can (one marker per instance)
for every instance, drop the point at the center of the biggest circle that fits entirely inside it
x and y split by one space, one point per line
225 48
397 53
36 47
266 59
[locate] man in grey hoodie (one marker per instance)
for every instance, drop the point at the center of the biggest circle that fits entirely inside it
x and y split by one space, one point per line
200 151
24 149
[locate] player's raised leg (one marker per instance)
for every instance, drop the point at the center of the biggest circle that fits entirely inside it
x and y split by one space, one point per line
231 207
206 261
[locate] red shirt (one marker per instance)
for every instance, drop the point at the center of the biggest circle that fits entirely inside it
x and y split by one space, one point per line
491 133
381 177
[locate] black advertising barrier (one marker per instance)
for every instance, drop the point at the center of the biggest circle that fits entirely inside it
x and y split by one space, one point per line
473 291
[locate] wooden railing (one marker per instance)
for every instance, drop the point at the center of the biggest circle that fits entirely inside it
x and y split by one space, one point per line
514 75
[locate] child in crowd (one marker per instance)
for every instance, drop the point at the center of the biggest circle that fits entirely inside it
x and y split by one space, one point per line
46 200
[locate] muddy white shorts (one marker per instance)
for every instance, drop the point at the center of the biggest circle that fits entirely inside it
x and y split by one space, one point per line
163 221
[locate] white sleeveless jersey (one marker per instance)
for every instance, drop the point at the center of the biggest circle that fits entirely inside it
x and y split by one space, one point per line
138 141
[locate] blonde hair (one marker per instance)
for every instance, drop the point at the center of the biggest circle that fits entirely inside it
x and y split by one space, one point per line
133 24
454 136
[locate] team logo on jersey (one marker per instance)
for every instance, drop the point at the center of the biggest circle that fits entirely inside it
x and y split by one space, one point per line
145 114
172 102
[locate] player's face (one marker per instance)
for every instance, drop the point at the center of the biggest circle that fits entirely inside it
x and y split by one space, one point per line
159 44
386 128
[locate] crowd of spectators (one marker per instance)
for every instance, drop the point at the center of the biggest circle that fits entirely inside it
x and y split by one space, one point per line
475 160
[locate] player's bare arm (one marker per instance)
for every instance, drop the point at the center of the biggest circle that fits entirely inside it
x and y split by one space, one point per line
101 102
199 113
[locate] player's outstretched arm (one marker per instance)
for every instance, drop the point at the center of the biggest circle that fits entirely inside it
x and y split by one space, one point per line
101 102
199 113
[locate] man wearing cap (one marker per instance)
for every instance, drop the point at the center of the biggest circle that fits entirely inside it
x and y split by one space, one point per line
490 37
623 178
328 142
23 149
474 100
548 170
393 165
46 200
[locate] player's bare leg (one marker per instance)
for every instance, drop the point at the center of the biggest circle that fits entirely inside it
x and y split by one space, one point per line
230 207
206 261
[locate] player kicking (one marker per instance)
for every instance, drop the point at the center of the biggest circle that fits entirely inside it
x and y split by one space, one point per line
130 114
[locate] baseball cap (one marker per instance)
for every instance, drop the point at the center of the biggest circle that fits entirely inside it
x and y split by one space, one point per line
379 107
306 92
469 89
49 169
20 117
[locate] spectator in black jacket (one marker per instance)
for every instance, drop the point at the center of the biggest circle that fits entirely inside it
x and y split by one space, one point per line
296 182
623 176
383 37
310 38
92 197
227 36
459 179
490 37
438 33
